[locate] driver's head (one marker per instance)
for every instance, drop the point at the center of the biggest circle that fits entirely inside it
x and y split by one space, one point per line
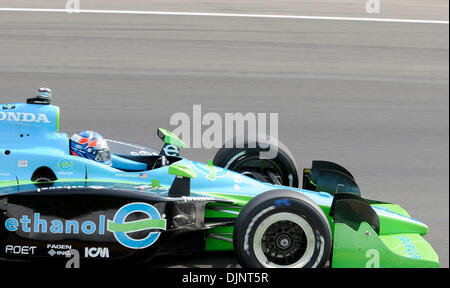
90 145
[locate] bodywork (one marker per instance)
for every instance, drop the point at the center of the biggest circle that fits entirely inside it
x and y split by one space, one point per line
127 210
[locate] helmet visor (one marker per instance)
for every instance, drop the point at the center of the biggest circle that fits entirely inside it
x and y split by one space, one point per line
103 155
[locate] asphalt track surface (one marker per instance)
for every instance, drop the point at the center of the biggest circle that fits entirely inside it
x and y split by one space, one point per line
371 96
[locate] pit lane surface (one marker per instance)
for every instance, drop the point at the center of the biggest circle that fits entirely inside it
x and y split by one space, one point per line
371 96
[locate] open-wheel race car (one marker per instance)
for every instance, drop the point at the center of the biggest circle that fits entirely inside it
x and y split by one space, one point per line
148 202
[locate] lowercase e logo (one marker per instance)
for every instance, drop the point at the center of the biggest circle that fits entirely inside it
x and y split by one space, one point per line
119 227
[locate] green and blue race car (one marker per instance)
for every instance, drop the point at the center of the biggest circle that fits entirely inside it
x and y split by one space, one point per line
150 202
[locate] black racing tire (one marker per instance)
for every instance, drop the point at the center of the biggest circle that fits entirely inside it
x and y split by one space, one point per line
247 160
282 229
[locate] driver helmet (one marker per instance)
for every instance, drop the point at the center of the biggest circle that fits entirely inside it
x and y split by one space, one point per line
90 145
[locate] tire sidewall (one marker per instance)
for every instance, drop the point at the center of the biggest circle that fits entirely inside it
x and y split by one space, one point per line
225 159
262 208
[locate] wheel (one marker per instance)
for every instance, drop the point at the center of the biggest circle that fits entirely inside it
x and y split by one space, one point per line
280 170
282 229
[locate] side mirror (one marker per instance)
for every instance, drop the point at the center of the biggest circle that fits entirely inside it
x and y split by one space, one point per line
181 171
171 143
169 138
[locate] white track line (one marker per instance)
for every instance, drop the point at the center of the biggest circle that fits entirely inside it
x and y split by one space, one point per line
227 15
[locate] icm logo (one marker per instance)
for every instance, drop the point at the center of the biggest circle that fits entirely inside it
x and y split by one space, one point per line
96 252
121 228
23 117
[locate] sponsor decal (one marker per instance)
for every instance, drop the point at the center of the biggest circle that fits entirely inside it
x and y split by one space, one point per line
197 199
119 226
20 250
65 164
39 225
154 186
128 175
282 202
132 175
96 252
58 249
23 117
143 153
171 150
22 163
64 173
69 187
9 106
410 248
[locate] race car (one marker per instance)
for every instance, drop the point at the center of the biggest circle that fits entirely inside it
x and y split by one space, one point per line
146 202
